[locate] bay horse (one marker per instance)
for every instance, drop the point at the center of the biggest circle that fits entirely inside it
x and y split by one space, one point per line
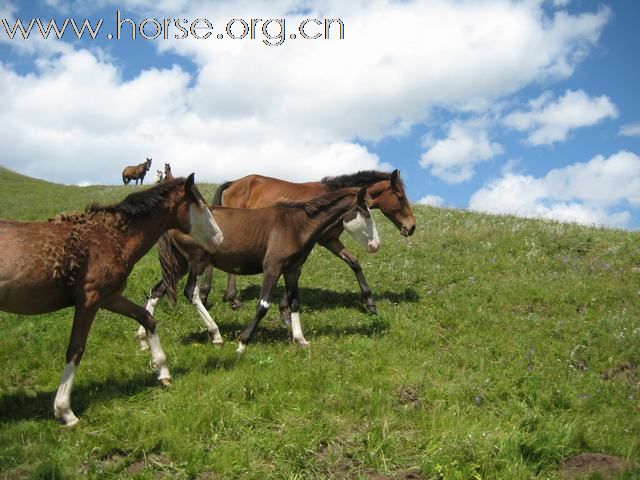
83 260
255 191
136 172
167 172
273 241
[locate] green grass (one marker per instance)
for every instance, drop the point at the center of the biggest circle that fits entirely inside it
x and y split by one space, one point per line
502 346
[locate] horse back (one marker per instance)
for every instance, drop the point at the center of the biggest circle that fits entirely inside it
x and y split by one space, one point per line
256 191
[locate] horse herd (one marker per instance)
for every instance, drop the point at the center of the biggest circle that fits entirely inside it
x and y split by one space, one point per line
256 225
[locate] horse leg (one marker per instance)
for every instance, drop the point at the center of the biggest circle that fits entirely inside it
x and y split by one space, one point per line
192 292
285 311
336 247
232 293
129 309
205 287
269 279
157 292
82 320
291 287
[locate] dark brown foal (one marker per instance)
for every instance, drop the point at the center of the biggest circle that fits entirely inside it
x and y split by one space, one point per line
273 240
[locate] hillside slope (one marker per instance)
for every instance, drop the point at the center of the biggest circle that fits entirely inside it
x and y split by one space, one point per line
502 347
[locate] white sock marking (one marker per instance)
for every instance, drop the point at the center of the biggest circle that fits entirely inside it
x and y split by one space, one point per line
214 331
296 329
158 357
151 304
62 403
264 303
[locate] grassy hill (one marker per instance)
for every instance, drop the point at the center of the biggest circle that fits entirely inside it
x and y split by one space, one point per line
502 347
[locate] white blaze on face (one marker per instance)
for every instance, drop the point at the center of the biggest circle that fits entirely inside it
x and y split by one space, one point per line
204 228
364 231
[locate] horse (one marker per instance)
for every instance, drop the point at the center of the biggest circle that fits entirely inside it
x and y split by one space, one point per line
273 241
159 176
136 173
254 191
83 260
167 172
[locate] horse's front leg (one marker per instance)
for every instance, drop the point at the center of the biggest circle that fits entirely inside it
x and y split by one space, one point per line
269 279
82 320
192 292
291 287
336 247
129 309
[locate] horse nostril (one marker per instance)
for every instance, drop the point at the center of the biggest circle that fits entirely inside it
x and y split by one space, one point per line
412 229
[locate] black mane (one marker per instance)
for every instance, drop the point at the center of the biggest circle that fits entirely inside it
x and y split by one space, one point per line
139 203
363 178
313 206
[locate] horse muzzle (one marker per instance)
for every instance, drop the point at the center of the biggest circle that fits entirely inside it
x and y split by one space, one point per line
407 231
373 246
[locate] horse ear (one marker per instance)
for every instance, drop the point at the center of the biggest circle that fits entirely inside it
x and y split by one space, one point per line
188 184
395 175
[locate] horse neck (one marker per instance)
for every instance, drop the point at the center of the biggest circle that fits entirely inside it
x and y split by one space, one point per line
326 218
142 232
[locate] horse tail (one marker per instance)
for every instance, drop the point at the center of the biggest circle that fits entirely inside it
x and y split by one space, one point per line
169 266
125 179
217 197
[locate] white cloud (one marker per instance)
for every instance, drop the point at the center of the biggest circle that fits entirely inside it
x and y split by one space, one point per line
550 121
453 159
589 193
295 110
431 200
630 130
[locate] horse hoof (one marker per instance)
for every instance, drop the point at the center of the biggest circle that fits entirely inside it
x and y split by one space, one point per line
372 309
241 347
67 419
236 305
286 320
165 382
217 343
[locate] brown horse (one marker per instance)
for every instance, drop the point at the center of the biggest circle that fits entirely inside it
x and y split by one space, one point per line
255 191
83 261
136 173
167 172
273 240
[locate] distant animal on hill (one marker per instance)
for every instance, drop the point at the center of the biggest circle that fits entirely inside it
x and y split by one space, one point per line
83 261
136 172
159 176
167 172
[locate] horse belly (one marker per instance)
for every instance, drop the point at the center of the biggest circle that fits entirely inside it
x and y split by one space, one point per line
33 299
237 264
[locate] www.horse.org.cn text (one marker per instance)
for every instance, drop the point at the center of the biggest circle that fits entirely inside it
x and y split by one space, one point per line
271 32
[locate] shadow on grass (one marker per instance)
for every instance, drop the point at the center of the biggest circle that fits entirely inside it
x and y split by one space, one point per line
273 331
324 299
25 405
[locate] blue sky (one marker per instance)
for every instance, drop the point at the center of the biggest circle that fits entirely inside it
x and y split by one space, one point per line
524 107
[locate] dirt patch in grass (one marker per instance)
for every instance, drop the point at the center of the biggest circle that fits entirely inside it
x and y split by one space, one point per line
408 397
586 464
626 371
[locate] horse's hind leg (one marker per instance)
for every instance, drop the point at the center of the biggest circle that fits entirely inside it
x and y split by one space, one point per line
291 286
129 309
82 320
192 292
205 287
336 247
232 292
